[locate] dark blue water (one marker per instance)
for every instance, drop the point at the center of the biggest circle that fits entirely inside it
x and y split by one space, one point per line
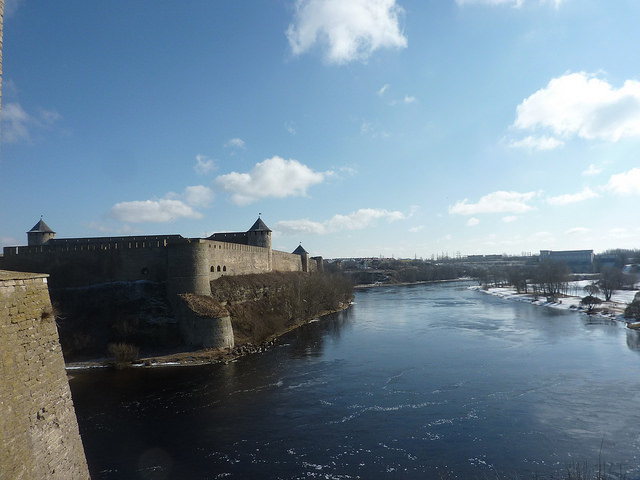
426 381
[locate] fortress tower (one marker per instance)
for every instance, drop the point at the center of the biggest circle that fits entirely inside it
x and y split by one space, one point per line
259 235
40 234
304 255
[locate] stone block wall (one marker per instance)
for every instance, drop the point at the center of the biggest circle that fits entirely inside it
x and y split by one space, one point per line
80 264
286 262
39 435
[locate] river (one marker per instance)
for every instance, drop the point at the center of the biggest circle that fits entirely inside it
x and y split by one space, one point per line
412 382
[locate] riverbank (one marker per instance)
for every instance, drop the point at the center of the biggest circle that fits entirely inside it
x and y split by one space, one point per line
612 310
204 356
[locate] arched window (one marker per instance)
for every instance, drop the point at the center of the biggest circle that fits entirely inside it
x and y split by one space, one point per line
224 269
218 267
212 269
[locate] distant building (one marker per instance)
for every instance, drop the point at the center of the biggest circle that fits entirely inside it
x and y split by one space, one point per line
579 261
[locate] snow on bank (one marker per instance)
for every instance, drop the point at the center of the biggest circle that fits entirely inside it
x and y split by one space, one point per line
611 310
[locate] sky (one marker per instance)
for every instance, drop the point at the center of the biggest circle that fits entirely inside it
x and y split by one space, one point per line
360 128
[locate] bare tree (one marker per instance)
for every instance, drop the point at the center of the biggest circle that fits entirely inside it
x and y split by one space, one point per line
611 279
592 289
552 278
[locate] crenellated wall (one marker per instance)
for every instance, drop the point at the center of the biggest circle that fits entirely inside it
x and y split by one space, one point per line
39 435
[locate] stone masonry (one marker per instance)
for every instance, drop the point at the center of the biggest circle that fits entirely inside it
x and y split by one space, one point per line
39 435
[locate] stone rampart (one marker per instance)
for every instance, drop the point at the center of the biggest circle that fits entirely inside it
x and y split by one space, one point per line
82 268
236 259
286 262
39 435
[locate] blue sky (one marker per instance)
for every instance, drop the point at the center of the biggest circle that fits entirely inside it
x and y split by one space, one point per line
359 128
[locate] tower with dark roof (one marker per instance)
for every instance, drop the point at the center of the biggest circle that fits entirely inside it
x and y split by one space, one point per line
40 234
259 235
304 256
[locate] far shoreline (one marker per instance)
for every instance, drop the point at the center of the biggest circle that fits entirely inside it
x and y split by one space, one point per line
612 310
364 286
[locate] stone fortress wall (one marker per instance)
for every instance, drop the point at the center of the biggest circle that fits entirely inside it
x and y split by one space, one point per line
182 265
187 265
39 435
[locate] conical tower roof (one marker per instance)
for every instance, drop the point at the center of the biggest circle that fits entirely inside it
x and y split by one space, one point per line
259 226
41 227
300 250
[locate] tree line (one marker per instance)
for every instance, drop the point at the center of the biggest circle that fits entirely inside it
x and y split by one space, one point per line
552 279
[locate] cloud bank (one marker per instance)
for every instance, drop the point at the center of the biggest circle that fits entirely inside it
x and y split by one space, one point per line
347 30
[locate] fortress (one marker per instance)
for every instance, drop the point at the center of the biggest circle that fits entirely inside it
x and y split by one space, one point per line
185 265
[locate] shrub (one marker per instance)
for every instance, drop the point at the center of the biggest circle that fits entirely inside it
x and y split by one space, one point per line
590 302
123 353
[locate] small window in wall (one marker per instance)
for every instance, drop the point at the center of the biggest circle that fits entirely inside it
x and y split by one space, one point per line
224 269
218 267
212 269
144 271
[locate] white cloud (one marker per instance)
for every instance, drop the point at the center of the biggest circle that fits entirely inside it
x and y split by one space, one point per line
510 3
409 99
416 229
585 194
204 164
354 221
496 202
592 170
172 207
537 143
18 124
577 231
582 105
350 30
472 222
157 211
383 89
626 183
198 196
509 218
235 143
273 178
